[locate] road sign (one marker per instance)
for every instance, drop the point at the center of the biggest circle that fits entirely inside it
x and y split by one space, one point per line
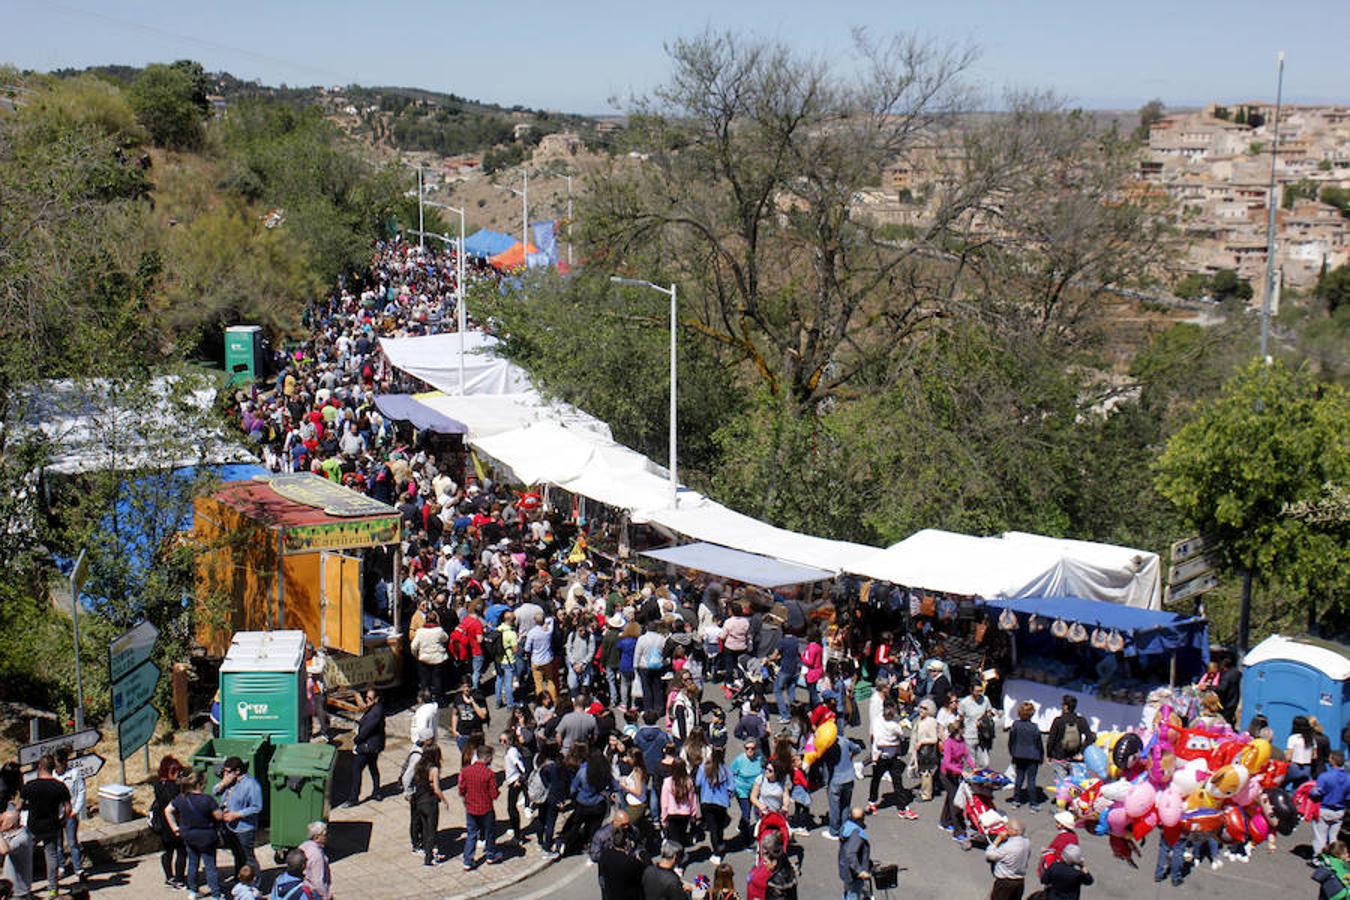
136 730
1207 582
134 690
76 740
1192 546
130 650
89 765
1191 568
78 576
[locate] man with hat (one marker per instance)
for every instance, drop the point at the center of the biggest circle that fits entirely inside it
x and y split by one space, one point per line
939 685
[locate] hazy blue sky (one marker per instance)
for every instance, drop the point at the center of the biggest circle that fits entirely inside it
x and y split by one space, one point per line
574 56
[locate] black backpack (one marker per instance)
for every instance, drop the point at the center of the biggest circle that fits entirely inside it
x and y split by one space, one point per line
492 644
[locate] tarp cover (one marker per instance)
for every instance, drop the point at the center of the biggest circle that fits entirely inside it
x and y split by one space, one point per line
1151 631
512 258
407 408
1018 565
484 242
1324 656
434 358
748 568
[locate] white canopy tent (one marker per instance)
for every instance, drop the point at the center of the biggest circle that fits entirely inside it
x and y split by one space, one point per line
435 359
748 568
1018 565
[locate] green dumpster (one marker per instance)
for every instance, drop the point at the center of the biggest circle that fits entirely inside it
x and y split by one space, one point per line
298 782
210 757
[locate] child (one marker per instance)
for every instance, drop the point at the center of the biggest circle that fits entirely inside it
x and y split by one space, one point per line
243 884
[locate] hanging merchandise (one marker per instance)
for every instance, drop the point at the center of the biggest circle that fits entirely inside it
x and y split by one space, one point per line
946 609
1060 629
928 605
1098 638
1077 633
1007 620
1115 641
1035 624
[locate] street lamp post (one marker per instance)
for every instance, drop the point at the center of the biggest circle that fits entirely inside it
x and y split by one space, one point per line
421 228
569 221
461 318
1268 300
671 293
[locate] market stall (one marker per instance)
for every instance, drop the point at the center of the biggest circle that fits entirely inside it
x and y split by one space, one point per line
1112 658
295 551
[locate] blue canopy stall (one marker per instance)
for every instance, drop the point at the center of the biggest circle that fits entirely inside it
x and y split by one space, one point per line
1051 663
485 242
407 408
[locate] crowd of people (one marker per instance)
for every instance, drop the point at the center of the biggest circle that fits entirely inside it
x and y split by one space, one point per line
641 719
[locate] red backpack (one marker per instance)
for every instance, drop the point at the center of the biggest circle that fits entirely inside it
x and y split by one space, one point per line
459 648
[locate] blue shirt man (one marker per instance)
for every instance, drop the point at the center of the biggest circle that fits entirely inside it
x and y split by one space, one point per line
242 799
539 643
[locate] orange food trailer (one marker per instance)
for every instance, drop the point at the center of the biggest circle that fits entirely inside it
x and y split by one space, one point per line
289 552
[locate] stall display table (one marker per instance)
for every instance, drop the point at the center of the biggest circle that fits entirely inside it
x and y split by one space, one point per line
1102 715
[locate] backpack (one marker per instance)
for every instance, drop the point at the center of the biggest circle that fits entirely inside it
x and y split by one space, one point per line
492 644
405 778
984 732
459 644
655 657
1072 741
297 891
536 792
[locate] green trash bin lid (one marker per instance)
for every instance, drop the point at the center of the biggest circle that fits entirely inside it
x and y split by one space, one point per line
303 760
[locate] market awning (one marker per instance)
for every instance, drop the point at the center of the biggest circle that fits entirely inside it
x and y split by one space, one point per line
737 565
1151 631
407 408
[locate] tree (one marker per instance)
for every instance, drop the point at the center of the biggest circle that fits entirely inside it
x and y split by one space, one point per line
1225 285
1270 442
1150 114
170 102
1338 197
1334 289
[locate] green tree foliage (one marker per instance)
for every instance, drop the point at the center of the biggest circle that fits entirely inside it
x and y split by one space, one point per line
1303 189
1338 197
170 101
502 157
1334 289
1272 440
1150 114
1226 285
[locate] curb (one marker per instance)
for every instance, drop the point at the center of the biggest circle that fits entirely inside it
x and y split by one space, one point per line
484 890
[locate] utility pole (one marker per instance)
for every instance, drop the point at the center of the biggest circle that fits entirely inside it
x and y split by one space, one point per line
1271 202
525 214
569 221
421 228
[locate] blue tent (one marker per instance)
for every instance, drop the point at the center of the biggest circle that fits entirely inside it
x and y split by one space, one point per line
407 408
1147 632
485 242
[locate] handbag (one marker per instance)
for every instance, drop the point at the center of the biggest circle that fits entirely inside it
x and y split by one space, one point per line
927 605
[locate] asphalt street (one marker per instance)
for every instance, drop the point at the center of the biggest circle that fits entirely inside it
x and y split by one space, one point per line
934 866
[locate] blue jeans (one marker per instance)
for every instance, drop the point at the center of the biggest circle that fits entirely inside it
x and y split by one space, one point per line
577 679
746 824
626 689
785 689
474 826
478 670
813 694
548 825
612 682
841 795
73 842
853 889
208 859
240 845
51 851
506 684
1170 857
1024 786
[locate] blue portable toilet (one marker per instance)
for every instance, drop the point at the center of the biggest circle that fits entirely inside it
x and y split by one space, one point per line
1286 677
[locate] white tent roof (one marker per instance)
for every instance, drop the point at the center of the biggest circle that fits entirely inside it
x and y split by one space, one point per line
488 415
1017 565
749 568
435 359
1320 657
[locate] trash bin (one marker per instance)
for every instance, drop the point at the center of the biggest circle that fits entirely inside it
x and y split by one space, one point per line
256 752
114 803
299 778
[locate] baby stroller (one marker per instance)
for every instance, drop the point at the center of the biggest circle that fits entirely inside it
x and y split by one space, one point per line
975 798
752 679
775 823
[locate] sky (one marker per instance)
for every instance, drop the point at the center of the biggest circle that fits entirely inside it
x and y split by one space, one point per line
579 56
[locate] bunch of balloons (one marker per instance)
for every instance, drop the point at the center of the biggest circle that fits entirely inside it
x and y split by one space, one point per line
1181 780
826 732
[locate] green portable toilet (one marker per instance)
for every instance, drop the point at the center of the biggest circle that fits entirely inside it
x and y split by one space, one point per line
244 352
299 779
262 686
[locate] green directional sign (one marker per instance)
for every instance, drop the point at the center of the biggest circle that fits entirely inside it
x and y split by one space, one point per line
130 649
135 731
134 690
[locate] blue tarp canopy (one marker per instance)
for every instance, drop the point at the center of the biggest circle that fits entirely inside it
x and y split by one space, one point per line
748 568
407 408
1147 632
485 242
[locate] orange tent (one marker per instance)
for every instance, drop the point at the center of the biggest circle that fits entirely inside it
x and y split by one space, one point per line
514 258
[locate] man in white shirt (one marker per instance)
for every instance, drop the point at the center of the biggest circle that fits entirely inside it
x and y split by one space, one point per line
974 707
426 717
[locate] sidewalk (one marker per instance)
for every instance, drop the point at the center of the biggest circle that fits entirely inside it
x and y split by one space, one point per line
368 845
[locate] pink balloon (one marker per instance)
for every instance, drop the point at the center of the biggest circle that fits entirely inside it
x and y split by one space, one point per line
1117 820
1140 800
1250 792
1170 806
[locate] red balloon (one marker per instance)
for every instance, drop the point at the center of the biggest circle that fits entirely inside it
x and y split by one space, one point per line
1141 827
1236 824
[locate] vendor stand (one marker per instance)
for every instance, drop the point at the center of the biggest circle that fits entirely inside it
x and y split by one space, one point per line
1113 659
293 551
